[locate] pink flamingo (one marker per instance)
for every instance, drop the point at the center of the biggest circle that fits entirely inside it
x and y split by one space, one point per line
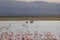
23 36
36 37
0 37
28 36
7 36
59 37
40 36
54 38
11 36
18 36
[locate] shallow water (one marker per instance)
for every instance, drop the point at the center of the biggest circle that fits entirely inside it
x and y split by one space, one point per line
40 26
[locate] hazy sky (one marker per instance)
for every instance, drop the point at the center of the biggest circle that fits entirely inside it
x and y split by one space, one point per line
40 0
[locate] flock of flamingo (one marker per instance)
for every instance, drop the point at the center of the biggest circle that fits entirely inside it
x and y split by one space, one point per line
28 35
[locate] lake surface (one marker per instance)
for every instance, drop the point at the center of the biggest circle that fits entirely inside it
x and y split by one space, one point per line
39 26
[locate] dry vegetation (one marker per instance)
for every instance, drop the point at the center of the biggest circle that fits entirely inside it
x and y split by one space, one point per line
25 18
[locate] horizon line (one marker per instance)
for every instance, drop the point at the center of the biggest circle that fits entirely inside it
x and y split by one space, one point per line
43 1
38 1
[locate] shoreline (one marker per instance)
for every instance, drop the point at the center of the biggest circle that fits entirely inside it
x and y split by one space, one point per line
26 18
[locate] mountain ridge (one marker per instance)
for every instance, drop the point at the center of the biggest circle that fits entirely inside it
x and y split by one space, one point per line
15 8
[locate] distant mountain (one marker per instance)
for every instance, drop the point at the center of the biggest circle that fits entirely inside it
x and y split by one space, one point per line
34 9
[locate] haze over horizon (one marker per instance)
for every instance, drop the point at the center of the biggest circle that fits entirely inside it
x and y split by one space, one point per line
58 1
30 8
39 0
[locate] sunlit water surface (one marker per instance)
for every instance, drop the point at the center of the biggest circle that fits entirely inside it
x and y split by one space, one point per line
40 26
